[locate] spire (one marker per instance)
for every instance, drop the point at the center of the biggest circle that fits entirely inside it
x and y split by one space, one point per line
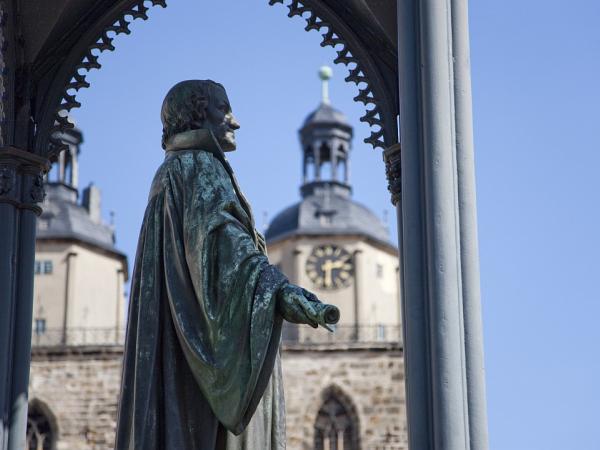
325 74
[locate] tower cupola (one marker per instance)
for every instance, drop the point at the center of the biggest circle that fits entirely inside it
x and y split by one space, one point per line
326 138
67 171
326 207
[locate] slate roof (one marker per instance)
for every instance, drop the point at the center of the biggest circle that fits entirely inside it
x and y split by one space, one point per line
64 218
327 209
326 114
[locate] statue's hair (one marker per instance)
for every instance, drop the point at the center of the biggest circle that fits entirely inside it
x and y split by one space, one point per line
184 107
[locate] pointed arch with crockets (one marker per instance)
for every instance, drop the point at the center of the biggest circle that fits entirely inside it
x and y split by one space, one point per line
361 43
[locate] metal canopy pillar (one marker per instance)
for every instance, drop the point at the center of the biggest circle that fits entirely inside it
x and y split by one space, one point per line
21 192
21 189
437 226
43 50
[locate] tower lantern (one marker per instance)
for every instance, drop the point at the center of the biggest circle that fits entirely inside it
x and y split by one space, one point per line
326 139
67 172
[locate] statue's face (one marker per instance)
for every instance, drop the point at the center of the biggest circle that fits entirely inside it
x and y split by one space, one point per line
220 120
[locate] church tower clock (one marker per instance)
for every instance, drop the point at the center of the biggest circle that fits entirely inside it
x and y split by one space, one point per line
332 244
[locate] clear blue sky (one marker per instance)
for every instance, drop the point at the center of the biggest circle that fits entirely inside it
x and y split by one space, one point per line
536 90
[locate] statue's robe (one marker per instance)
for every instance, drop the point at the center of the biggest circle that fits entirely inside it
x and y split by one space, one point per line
201 365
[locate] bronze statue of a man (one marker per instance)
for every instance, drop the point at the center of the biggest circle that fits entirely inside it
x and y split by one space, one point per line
201 366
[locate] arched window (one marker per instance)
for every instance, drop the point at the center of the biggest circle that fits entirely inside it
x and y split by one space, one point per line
41 433
336 427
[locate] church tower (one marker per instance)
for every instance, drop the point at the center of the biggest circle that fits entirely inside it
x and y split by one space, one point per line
79 273
332 244
336 247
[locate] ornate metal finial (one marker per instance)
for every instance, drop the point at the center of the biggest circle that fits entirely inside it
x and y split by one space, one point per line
325 74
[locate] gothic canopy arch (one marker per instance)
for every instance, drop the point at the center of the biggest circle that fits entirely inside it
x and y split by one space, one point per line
360 31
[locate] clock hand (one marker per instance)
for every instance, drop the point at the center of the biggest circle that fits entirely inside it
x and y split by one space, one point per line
337 264
328 269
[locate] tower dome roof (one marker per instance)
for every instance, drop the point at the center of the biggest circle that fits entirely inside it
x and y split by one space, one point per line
64 217
327 211
326 207
326 115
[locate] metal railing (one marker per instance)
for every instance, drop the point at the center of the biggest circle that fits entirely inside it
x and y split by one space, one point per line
292 335
54 337
342 335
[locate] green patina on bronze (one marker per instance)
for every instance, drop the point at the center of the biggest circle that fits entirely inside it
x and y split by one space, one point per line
201 366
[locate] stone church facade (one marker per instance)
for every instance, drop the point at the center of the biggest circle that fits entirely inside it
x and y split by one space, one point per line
361 387
344 391
73 394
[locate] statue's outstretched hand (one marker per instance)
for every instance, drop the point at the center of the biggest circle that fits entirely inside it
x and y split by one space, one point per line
297 305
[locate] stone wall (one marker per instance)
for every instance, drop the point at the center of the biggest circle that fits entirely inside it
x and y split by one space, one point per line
79 386
372 378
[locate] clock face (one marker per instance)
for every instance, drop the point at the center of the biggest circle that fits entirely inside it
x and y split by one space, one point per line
329 267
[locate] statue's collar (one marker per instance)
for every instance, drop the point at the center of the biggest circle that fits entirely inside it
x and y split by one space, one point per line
201 139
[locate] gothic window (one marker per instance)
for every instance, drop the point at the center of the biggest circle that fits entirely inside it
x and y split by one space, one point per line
336 427
40 432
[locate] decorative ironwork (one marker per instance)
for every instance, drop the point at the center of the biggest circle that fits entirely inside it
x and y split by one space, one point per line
393 171
7 179
25 170
89 61
37 192
361 44
359 73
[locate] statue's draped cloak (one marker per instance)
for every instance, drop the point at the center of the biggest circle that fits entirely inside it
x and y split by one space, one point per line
203 335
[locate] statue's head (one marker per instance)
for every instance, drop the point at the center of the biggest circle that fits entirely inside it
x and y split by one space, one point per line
197 104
